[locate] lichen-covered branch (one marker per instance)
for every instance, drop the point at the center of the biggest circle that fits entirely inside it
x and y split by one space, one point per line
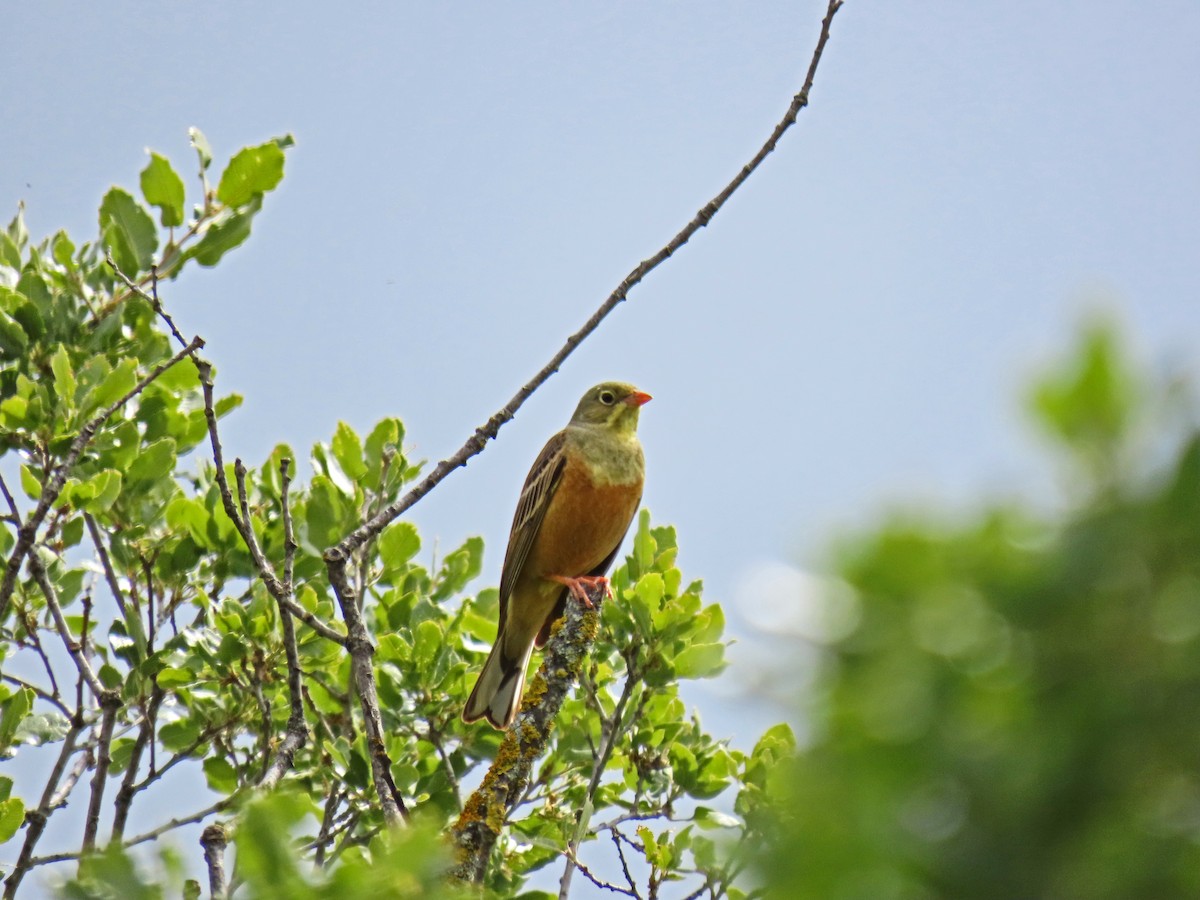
484 814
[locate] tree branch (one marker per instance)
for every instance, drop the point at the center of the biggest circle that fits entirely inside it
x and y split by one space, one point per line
35 820
484 814
74 647
611 728
338 556
128 783
297 726
214 841
110 703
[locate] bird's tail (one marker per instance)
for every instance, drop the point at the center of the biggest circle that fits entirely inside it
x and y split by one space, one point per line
497 692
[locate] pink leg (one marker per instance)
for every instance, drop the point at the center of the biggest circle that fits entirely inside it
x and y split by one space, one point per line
579 587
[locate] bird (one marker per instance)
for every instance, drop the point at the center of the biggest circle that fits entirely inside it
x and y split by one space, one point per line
575 508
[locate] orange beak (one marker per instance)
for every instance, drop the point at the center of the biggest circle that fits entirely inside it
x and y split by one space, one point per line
638 398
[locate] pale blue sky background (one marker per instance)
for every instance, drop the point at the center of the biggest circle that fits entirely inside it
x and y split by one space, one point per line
471 180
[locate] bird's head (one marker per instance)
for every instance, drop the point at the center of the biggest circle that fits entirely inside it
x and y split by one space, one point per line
613 404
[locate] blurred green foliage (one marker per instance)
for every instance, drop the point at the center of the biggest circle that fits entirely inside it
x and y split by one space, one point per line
1015 713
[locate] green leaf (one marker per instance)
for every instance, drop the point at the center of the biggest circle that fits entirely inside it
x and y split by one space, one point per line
42 728
153 462
222 236
712 818
103 489
30 483
398 543
427 640
15 709
700 661
12 814
649 845
179 735
116 384
252 172
13 339
16 228
128 232
63 250
324 513
64 377
202 147
221 775
387 434
643 543
347 450
162 187
110 676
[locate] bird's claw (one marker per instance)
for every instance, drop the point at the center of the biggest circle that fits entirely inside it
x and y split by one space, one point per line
579 587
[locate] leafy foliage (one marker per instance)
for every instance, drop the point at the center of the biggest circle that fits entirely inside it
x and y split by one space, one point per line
177 650
1013 715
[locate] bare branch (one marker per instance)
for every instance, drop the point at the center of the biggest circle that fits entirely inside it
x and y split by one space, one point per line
611 728
128 784
110 575
36 819
143 838
624 862
265 569
13 512
110 703
44 694
74 647
214 841
339 555
362 651
27 533
600 883
297 727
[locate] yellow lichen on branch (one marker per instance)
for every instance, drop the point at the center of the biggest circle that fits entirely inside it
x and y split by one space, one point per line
484 814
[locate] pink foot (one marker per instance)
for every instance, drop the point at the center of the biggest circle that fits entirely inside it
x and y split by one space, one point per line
579 587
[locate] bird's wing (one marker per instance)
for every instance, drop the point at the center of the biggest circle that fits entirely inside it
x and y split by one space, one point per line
539 487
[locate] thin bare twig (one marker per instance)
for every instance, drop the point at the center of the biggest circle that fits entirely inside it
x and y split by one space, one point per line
110 574
624 862
14 513
601 883
128 787
265 569
110 704
44 694
297 726
611 729
74 647
151 835
337 557
36 819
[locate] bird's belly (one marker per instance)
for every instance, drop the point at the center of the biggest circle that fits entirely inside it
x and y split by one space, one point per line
583 525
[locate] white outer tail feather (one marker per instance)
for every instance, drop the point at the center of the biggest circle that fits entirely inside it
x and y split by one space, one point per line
497 693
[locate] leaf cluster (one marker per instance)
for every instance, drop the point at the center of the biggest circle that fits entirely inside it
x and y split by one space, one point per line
146 640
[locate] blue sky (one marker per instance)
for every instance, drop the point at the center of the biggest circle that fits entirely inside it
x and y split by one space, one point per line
470 181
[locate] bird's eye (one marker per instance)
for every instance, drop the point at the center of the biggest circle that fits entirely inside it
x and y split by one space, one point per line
608 398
